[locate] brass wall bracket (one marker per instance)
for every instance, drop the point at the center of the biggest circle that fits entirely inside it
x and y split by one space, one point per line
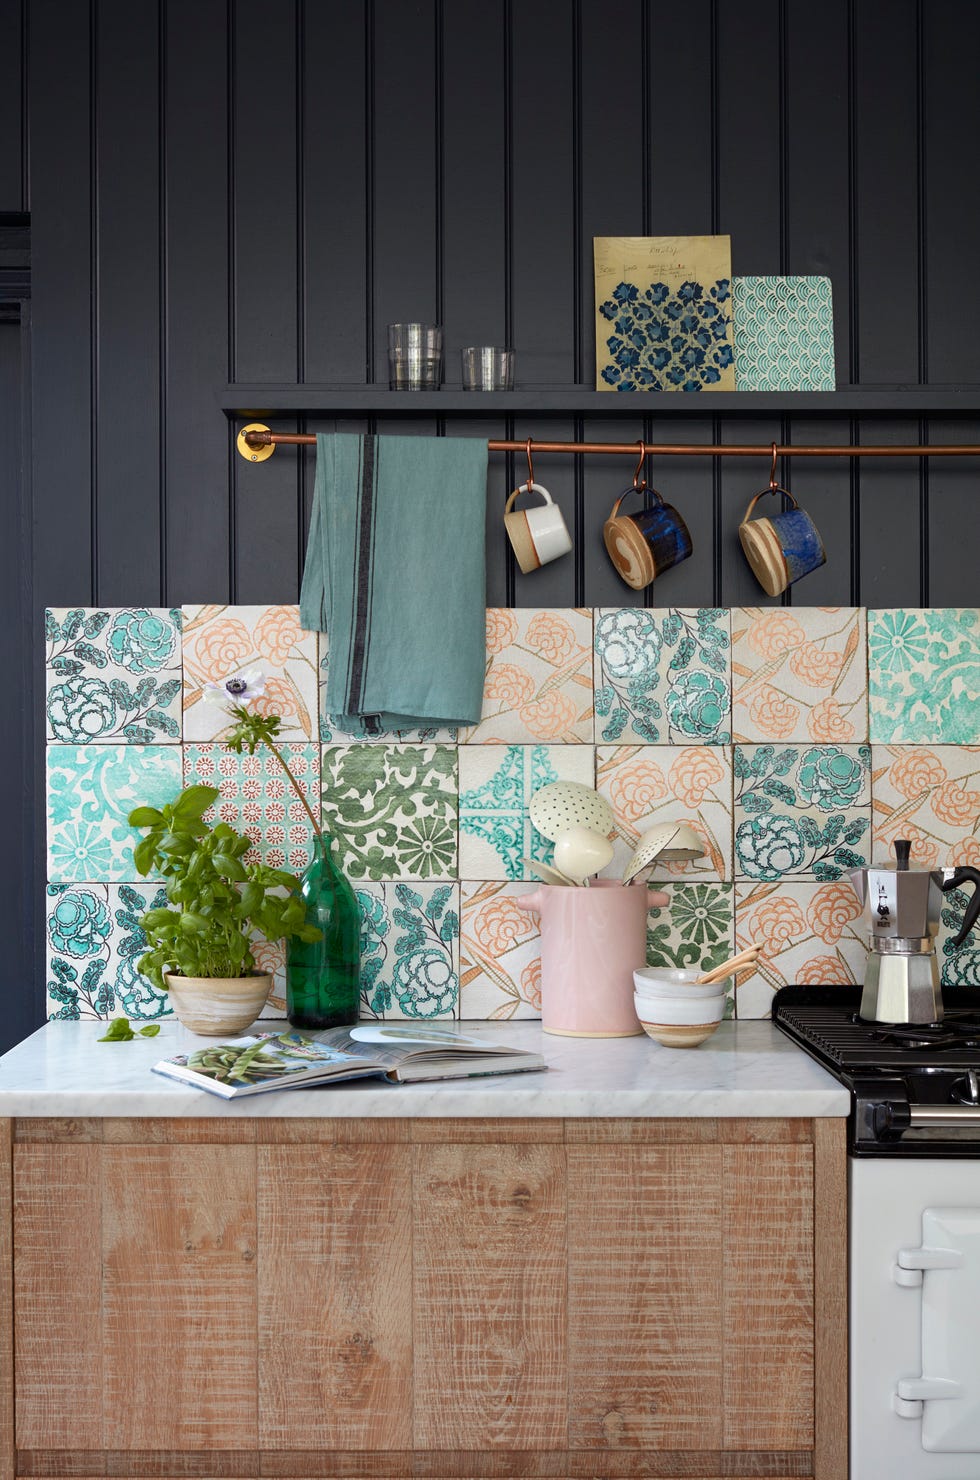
247 451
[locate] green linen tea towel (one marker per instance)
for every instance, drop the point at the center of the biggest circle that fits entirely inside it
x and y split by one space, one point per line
396 576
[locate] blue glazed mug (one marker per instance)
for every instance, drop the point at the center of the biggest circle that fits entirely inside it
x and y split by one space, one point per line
783 547
644 545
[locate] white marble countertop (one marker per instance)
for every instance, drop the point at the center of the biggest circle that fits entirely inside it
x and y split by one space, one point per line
744 1069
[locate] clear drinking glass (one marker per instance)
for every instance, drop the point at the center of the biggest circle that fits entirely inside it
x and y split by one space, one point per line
485 368
414 357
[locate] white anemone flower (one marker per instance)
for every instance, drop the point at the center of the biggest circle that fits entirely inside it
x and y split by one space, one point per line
239 688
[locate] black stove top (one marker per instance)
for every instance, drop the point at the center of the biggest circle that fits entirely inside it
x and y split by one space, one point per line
915 1090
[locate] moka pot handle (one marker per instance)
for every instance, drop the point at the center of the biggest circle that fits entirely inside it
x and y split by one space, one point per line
952 879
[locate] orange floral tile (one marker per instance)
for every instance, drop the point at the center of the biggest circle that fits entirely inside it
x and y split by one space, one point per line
538 685
810 934
651 784
223 640
500 953
930 795
800 674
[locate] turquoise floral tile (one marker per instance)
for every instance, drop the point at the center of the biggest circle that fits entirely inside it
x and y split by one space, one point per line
392 809
924 669
409 950
113 675
500 953
663 677
801 811
333 733
800 674
496 783
257 799
93 944
958 967
91 791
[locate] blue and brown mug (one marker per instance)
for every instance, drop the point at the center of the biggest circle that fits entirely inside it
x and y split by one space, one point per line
644 545
782 547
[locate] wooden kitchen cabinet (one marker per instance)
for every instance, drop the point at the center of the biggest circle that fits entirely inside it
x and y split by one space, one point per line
298 1298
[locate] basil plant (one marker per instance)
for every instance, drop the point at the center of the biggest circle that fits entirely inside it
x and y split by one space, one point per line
217 904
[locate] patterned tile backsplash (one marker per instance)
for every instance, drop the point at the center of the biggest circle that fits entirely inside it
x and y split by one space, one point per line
798 742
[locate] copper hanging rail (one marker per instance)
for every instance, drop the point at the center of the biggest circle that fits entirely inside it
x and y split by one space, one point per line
265 439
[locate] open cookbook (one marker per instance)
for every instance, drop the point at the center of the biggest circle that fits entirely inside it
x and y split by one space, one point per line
294 1060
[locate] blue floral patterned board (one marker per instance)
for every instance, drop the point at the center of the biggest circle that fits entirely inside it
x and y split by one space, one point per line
93 943
409 950
924 675
664 676
91 791
496 783
113 675
783 329
801 811
659 336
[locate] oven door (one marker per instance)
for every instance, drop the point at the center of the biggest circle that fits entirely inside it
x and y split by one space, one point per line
914 1312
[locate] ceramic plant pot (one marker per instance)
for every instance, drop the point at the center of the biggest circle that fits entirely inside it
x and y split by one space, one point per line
215 1005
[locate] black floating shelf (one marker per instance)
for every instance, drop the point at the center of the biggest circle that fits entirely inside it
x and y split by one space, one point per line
257 402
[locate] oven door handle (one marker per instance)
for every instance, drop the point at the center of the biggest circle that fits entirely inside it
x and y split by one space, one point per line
945 1117
912 1392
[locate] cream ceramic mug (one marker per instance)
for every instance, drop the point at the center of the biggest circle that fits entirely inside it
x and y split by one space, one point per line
537 534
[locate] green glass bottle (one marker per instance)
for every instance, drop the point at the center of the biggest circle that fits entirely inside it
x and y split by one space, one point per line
323 977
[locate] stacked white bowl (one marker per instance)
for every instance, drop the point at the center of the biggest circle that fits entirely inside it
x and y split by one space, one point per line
674 1008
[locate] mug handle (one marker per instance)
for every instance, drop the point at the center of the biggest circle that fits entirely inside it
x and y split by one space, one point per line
775 488
635 488
525 488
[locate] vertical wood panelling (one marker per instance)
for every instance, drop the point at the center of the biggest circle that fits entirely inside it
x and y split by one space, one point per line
887 254
889 509
644 1242
333 164
196 450
768 1297
952 517
823 487
335 1298
13 110
178 1247
407 193
61 280
490 1362
542 194
127 161
268 313
474 212
58 1288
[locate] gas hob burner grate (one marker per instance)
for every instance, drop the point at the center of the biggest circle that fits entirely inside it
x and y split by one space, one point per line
840 1036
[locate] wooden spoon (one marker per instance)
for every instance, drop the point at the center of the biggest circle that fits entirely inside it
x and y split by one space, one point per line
718 973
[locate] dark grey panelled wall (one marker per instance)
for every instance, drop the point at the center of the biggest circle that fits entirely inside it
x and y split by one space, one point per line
247 190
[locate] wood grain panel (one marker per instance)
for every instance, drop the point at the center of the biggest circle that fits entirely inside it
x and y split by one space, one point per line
157 1131
687 1129
179 1248
57 1128
7 1451
768 1297
57 1291
335 1298
490 1315
497 1130
645 1297
830 1299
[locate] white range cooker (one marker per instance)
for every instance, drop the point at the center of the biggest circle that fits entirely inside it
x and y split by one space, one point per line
914 1219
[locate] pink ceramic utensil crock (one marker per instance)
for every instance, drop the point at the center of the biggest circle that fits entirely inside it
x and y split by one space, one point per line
592 940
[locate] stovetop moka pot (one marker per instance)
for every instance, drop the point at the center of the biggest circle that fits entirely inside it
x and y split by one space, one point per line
901 979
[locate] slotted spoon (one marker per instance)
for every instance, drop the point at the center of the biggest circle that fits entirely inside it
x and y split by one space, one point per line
565 804
672 841
546 873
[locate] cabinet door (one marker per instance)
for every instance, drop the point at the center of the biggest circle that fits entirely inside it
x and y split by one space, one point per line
490 1328
335 1297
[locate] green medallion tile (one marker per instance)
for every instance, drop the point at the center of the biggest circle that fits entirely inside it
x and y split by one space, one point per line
113 675
392 809
697 928
663 677
409 950
801 811
924 667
